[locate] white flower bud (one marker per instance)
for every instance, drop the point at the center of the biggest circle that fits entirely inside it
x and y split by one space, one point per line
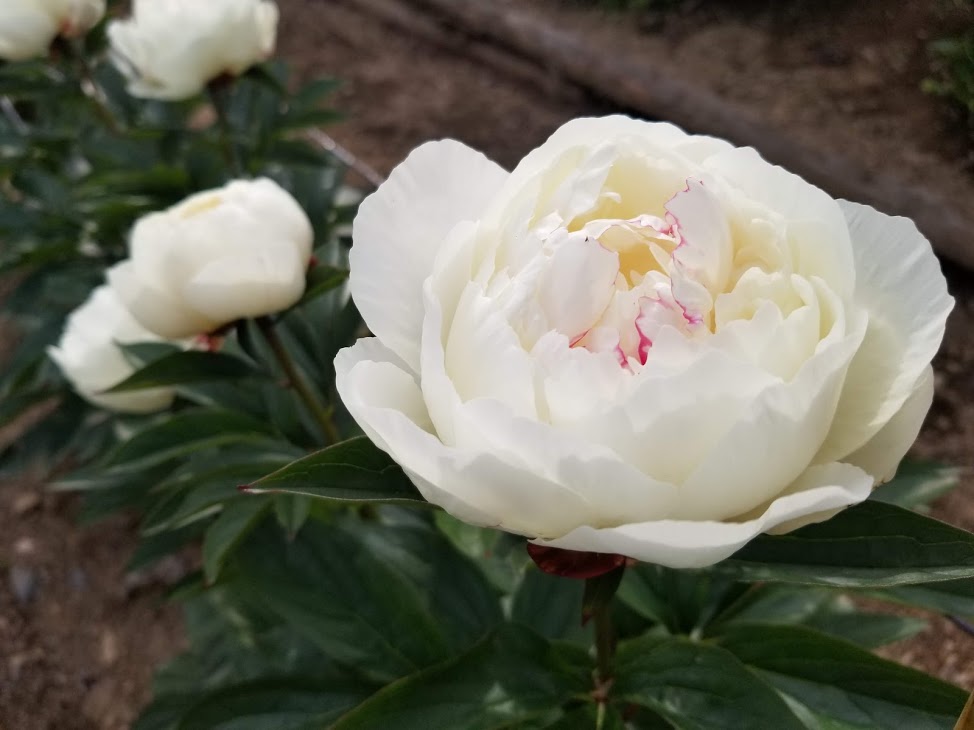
90 359
238 251
170 49
27 27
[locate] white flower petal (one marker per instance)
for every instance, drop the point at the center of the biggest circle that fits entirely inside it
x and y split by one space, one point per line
772 442
228 289
881 455
593 131
156 309
900 284
829 254
484 356
90 359
400 228
474 486
697 544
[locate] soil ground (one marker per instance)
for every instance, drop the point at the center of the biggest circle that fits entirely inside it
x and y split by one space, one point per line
79 640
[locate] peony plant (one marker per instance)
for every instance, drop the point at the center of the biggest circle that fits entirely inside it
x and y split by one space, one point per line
645 391
639 342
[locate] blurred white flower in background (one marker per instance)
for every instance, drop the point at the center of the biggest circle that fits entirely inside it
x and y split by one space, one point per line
90 359
27 27
171 49
238 251
639 342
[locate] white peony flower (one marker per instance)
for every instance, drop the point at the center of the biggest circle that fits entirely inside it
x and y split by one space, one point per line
639 342
27 27
238 251
170 49
89 357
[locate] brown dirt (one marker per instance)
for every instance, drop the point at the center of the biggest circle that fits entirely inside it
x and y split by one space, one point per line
79 639
80 653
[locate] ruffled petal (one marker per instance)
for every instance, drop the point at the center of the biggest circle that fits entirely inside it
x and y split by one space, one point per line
900 284
881 455
400 228
821 490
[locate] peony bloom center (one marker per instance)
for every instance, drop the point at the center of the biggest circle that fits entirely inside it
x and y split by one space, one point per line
611 285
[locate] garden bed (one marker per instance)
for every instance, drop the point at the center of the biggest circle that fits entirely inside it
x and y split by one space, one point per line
80 652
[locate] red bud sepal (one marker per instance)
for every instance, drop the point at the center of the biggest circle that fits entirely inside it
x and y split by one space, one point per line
574 563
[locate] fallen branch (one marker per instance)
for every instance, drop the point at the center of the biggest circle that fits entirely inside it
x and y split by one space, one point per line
627 81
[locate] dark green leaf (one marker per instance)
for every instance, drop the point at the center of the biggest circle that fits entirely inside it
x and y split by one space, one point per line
820 608
697 686
500 555
351 471
153 548
187 367
683 601
236 520
354 606
870 544
549 604
838 680
916 484
456 592
185 433
321 280
291 510
511 677
949 596
291 703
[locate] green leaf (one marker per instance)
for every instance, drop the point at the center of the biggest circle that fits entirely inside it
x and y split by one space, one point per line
351 471
455 591
819 608
917 484
200 484
870 544
285 703
292 510
153 548
499 555
511 677
697 686
550 605
683 601
356 607
321 280
838 680
185 433
948 597
181 368
587 716
236 520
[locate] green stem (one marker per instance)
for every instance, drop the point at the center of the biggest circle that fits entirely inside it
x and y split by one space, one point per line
320 413
597 606
219 92
90 88
604 643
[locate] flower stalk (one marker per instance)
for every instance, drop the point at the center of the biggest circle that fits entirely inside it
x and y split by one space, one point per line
597 607
319 412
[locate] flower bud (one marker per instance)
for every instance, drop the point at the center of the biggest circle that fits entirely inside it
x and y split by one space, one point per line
90 359
238 251
171 50
27 27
